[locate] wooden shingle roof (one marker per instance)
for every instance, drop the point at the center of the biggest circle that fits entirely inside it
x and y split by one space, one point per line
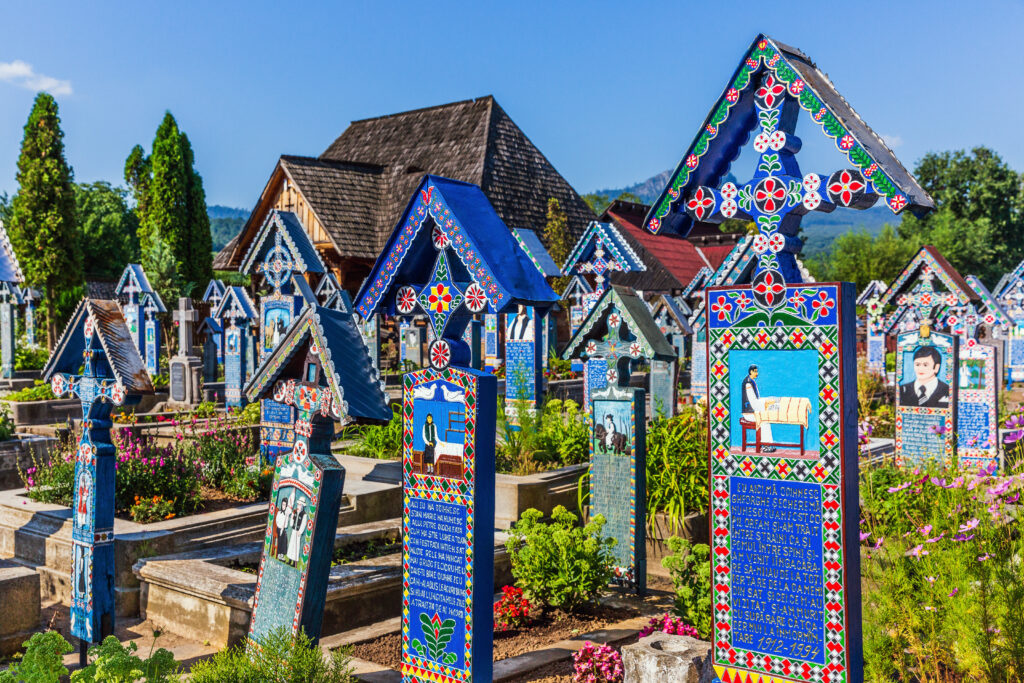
362 182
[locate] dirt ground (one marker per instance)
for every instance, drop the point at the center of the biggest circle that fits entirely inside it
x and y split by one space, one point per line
546 630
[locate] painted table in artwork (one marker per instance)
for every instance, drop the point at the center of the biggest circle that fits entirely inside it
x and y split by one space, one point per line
448 465
977 406
926 372
784 521
618 474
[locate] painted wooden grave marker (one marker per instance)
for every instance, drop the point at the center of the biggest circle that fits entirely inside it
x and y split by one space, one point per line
113 375
10 298
151 306
523 378
236 313
333 379
451 257
618 473
782 374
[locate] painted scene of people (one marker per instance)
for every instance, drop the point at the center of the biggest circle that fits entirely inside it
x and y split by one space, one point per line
439 430
774 402
290 521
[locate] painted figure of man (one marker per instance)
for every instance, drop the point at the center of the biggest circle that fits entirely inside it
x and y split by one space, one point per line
926 390
753 403
297 532
283 522
429 442
614 440
84 491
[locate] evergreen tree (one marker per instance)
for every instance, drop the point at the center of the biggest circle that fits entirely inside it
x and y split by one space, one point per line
42 225
109 239
556 235
171 206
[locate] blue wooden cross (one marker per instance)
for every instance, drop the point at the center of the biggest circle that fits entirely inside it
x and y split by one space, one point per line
236 355
92 577
778 194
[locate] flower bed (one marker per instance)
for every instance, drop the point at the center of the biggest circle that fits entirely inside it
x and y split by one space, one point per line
207 461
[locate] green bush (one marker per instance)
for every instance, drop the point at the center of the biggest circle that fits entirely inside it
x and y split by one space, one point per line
7 425
557 437
250 414
29 357
378 441
560 565
43 661
111 662
677 468
280 658
39 391
691 580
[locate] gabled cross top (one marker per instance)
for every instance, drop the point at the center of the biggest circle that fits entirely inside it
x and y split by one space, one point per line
965 323
309 398
926 301
277 266
616 344
779 194
88 387
600 265
184 317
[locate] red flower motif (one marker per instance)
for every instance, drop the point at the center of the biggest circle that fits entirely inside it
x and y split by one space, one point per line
722 307
845 186
769 288
405 301
742 301
797 300
771 91
440 298
702 203
822 304
846 142
770 195
731 95
476 299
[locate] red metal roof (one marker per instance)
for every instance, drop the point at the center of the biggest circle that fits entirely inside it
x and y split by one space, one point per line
679 258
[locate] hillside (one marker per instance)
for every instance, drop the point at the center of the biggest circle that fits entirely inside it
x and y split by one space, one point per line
225 222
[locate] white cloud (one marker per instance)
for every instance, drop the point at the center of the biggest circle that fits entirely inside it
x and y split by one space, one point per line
22 74
893 141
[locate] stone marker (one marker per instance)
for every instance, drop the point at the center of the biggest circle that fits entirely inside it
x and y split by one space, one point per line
114 374
618 475
186 387
333 379
665 658
449 415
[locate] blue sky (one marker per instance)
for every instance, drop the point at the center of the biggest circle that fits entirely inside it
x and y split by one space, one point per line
611 92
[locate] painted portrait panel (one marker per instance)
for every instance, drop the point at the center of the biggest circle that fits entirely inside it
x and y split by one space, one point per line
439 430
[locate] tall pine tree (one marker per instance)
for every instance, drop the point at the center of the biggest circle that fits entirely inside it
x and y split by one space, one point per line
42 227
171 207
556 234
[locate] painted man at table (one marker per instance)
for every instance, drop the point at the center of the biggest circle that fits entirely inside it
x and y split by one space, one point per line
753 403
926 390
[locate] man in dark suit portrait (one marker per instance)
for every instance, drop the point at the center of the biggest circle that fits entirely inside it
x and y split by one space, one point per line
926 390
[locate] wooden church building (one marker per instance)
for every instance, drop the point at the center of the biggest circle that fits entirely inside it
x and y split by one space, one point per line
350 196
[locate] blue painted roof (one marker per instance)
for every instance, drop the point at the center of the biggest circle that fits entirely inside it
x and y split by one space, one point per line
295 239
578 286
534 248
215 288
349 372
121 353
875 288
615 247
303 289
133 273
731 119
328 285
154 297
10 269
210 325
481 249
235 295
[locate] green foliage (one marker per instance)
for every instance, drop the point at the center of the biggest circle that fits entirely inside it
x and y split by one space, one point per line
249 483
250 414
174 227
858 257
28 357
42 225
560 564
109 227
941 574
597 202
7 425
43 661
39 391
677 468
557 239
280 658
113 662
979 222
378 441
558 436
690 569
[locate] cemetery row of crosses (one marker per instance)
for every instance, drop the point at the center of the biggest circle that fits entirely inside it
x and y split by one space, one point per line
358 419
